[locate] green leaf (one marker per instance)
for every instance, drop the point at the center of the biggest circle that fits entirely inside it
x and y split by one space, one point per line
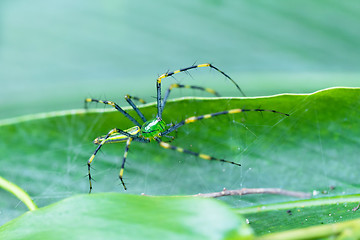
314 149
119 216
339 231
301 214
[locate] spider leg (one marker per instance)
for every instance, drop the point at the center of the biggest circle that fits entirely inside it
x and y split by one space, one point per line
128 142
172 138
103 141
168 74
117 107
175 85
112 131
136 98
130 133
206 116
200 155
132 104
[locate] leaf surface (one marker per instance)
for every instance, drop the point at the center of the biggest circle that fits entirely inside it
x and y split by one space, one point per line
314 149
120 216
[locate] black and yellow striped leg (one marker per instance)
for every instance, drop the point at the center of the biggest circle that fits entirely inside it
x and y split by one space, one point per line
128 142
104 140
132 104
136 138
158 99
172 138
136 99
91 159
117 107
206 116
165 75
175 85
200 155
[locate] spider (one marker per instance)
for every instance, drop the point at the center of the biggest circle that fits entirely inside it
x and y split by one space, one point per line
156 128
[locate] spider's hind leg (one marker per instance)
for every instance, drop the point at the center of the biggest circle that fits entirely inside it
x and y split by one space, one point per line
211 115
200 155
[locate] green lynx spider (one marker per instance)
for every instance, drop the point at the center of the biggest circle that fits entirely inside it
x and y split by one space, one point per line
156 128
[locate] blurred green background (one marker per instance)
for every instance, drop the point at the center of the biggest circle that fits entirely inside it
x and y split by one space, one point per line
53 54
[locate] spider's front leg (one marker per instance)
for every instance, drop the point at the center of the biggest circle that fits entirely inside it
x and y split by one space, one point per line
160 104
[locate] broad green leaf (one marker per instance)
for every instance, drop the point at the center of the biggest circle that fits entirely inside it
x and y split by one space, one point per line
339 231
119 216
314 149
279 217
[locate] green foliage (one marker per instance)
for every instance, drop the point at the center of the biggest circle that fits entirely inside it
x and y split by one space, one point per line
54 54
285 216
117 216
312 150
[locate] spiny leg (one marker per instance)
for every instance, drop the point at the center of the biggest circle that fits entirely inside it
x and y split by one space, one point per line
206 116
124 135
136 98
104 140
112 131
175 85
128 142
198 66
117 107
172 138
200 155
158 82
132 104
